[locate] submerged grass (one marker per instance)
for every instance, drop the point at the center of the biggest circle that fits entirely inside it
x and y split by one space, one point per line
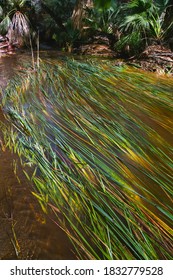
99 141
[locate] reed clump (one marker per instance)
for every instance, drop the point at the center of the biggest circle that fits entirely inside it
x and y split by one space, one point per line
98 140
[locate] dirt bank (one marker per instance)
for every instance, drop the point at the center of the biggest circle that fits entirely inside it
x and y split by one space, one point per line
155 58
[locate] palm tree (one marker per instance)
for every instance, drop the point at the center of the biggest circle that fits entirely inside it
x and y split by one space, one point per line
15 23
142 22
19 30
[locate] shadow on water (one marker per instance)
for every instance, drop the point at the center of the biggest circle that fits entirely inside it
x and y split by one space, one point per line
25 232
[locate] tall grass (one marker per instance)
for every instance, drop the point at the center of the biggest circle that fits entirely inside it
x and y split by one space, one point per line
98 140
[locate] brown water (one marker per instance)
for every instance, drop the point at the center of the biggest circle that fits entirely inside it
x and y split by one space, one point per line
25 232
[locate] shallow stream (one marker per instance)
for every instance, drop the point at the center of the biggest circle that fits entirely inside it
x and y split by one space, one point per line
25 232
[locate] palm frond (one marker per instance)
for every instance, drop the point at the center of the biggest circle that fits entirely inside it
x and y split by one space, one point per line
19 29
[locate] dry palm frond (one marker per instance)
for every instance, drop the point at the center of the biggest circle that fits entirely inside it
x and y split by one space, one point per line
19 30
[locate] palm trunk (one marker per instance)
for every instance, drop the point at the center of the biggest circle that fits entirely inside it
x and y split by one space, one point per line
79 12
169 14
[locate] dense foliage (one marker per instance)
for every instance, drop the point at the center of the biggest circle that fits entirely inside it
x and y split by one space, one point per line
131 25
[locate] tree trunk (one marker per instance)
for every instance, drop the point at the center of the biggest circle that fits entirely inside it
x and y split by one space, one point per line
79 13
169 14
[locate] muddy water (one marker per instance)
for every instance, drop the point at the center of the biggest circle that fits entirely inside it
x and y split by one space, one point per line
25 232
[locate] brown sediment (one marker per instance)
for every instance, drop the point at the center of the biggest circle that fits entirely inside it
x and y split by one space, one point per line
25 231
